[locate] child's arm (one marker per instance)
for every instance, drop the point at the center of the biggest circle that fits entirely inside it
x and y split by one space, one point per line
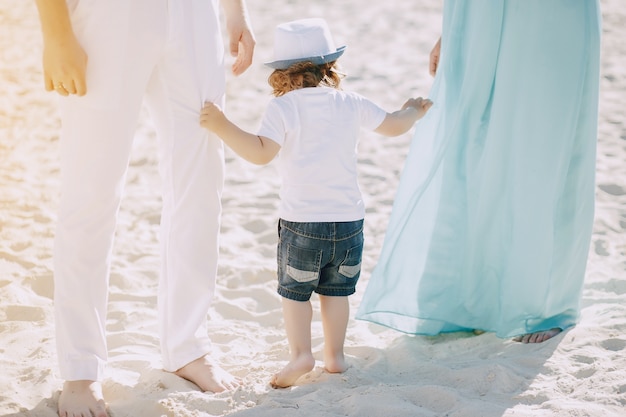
256 149
402 120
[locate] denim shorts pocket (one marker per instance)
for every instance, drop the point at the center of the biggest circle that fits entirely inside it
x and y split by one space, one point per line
351 265
350 270
303 265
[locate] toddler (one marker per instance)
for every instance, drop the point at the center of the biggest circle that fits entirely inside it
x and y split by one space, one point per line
315 126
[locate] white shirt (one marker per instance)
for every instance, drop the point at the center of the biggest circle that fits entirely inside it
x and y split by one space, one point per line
318 131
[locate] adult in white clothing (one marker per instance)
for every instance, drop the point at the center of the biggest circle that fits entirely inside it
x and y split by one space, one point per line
106 58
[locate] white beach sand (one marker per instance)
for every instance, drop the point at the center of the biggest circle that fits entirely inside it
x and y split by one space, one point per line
582 372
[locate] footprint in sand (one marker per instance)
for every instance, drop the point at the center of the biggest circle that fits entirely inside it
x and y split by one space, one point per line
614 345
17 260
612 189
24 313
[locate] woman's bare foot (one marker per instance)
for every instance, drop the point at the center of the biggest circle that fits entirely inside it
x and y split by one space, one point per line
207 375
292 371
82 399
538 337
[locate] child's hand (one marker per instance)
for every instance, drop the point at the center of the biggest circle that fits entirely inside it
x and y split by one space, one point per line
420 104
211 116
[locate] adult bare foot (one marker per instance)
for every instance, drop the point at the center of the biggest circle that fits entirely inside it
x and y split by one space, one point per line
207 375
292 371
538 337
82 399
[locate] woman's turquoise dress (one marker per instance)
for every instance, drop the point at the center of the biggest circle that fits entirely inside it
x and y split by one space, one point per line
492 221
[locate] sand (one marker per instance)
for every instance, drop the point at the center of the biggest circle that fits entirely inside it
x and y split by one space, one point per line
582 372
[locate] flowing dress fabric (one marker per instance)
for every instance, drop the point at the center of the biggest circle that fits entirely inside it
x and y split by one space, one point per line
492 220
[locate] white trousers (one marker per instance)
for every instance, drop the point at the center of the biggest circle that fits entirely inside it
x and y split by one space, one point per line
168 53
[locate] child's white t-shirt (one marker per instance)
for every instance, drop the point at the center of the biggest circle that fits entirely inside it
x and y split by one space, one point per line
318 131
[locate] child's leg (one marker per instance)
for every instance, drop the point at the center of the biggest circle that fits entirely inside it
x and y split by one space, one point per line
297 315
335 314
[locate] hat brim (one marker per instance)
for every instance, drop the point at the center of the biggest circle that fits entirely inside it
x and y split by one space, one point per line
317 60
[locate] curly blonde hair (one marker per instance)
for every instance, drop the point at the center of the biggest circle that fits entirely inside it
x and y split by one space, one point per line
302 75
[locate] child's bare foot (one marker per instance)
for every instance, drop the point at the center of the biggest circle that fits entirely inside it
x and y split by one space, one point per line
292 371
538 337
335 364
82 399
207 375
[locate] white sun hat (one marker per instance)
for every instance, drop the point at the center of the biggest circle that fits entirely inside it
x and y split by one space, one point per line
303 40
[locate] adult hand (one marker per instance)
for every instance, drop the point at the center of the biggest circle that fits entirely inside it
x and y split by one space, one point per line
241 38
434 58
64 67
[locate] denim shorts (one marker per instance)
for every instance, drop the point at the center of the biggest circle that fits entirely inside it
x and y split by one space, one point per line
321 257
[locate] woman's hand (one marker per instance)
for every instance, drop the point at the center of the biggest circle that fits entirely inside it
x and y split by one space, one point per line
64 60
434 58
241 37
65 67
